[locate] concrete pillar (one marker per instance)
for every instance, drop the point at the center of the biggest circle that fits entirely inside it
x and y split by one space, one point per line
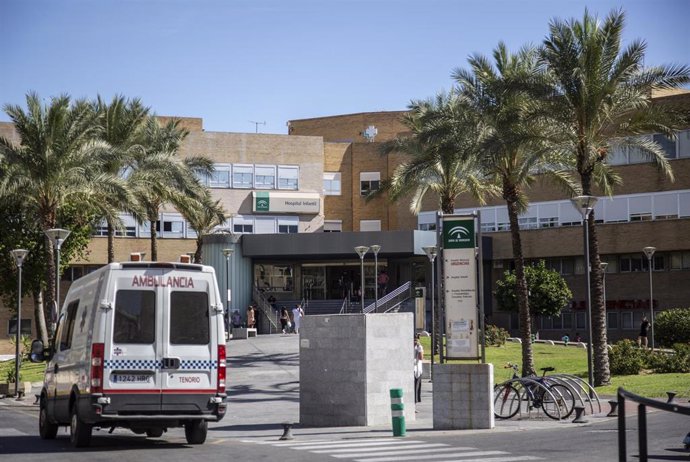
463 396
349 363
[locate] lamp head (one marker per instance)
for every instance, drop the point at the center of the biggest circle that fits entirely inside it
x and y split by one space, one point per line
603 265
228 252
431 251
361 250
584 204
649 251
19 255
375 248
57 235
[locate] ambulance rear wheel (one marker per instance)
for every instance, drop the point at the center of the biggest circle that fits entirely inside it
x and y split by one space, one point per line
195 431
80 432
46 428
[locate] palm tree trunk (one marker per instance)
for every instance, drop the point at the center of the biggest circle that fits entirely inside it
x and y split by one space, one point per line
111 241
600 353
198 252
602 372
521 287
50 308
447 203
154 241
39 317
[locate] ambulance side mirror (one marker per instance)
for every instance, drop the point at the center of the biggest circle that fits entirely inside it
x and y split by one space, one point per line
38 352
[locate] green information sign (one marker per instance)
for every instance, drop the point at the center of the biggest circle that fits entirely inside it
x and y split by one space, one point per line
458 234
263 202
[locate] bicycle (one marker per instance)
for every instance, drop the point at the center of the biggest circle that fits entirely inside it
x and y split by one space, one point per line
555 399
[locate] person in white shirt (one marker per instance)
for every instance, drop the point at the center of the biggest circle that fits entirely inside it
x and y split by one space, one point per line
297 313
418 357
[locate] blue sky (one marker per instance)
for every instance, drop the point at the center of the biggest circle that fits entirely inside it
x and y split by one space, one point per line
234 62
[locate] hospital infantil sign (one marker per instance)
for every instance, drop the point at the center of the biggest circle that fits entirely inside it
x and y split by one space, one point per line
460 286
271 202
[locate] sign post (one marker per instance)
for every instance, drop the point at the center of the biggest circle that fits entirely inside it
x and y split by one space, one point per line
460 294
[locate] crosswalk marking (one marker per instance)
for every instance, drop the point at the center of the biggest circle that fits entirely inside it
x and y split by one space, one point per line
394 450
404 452
403 448
494 459
432 456
353 444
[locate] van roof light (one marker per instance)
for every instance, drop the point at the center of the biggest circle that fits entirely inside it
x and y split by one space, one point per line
185 258
137 256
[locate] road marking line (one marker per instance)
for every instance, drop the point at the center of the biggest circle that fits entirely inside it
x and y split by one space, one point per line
416 446
402 452
12 432
433 456
357 444
300 443
495 459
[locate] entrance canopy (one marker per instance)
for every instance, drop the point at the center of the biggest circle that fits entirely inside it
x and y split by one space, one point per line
335 245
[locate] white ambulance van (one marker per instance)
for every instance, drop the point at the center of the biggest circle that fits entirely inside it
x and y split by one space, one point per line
138 345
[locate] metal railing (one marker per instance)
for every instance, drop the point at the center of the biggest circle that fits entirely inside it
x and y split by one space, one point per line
641 420
391 300
345 307
266 311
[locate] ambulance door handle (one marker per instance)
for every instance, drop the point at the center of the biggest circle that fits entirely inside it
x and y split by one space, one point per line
56 368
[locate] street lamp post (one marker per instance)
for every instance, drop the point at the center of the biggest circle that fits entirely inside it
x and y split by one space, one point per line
361 251
585 205
19 255
57 236
375 248
228 293
649 252
431 252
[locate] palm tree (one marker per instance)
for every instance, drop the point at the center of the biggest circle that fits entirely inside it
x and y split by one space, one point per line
442 146
203 217
120 124
512 150
603 93
160 177
57 164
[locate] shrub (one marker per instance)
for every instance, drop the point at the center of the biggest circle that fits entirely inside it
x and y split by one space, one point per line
672 326
495 336
626 358
667 363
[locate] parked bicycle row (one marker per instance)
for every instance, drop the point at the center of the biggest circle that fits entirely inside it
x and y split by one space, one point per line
556 395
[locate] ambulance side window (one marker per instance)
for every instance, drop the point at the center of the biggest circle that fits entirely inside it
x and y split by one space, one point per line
135 316
189 318
68 327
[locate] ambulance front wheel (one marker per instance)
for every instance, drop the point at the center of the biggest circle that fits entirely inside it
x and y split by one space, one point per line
195 431
80 432
47 429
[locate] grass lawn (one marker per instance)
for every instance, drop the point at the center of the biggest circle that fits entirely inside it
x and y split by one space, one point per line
572 360
30 372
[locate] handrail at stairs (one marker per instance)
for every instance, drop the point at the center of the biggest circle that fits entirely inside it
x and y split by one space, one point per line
390 296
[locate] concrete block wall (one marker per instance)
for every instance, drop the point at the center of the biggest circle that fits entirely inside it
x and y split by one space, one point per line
463 396
348 363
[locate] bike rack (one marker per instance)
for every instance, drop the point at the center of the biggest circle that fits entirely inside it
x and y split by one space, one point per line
522 381
590 392
576 386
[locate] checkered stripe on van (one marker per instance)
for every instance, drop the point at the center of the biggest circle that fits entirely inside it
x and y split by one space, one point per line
197 365
133 364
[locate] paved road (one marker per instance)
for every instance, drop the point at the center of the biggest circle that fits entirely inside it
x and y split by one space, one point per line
264 381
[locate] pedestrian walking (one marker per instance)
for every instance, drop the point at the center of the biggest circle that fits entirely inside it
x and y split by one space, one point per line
644 330
297 313
418 369
251 317
382 281
284 319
